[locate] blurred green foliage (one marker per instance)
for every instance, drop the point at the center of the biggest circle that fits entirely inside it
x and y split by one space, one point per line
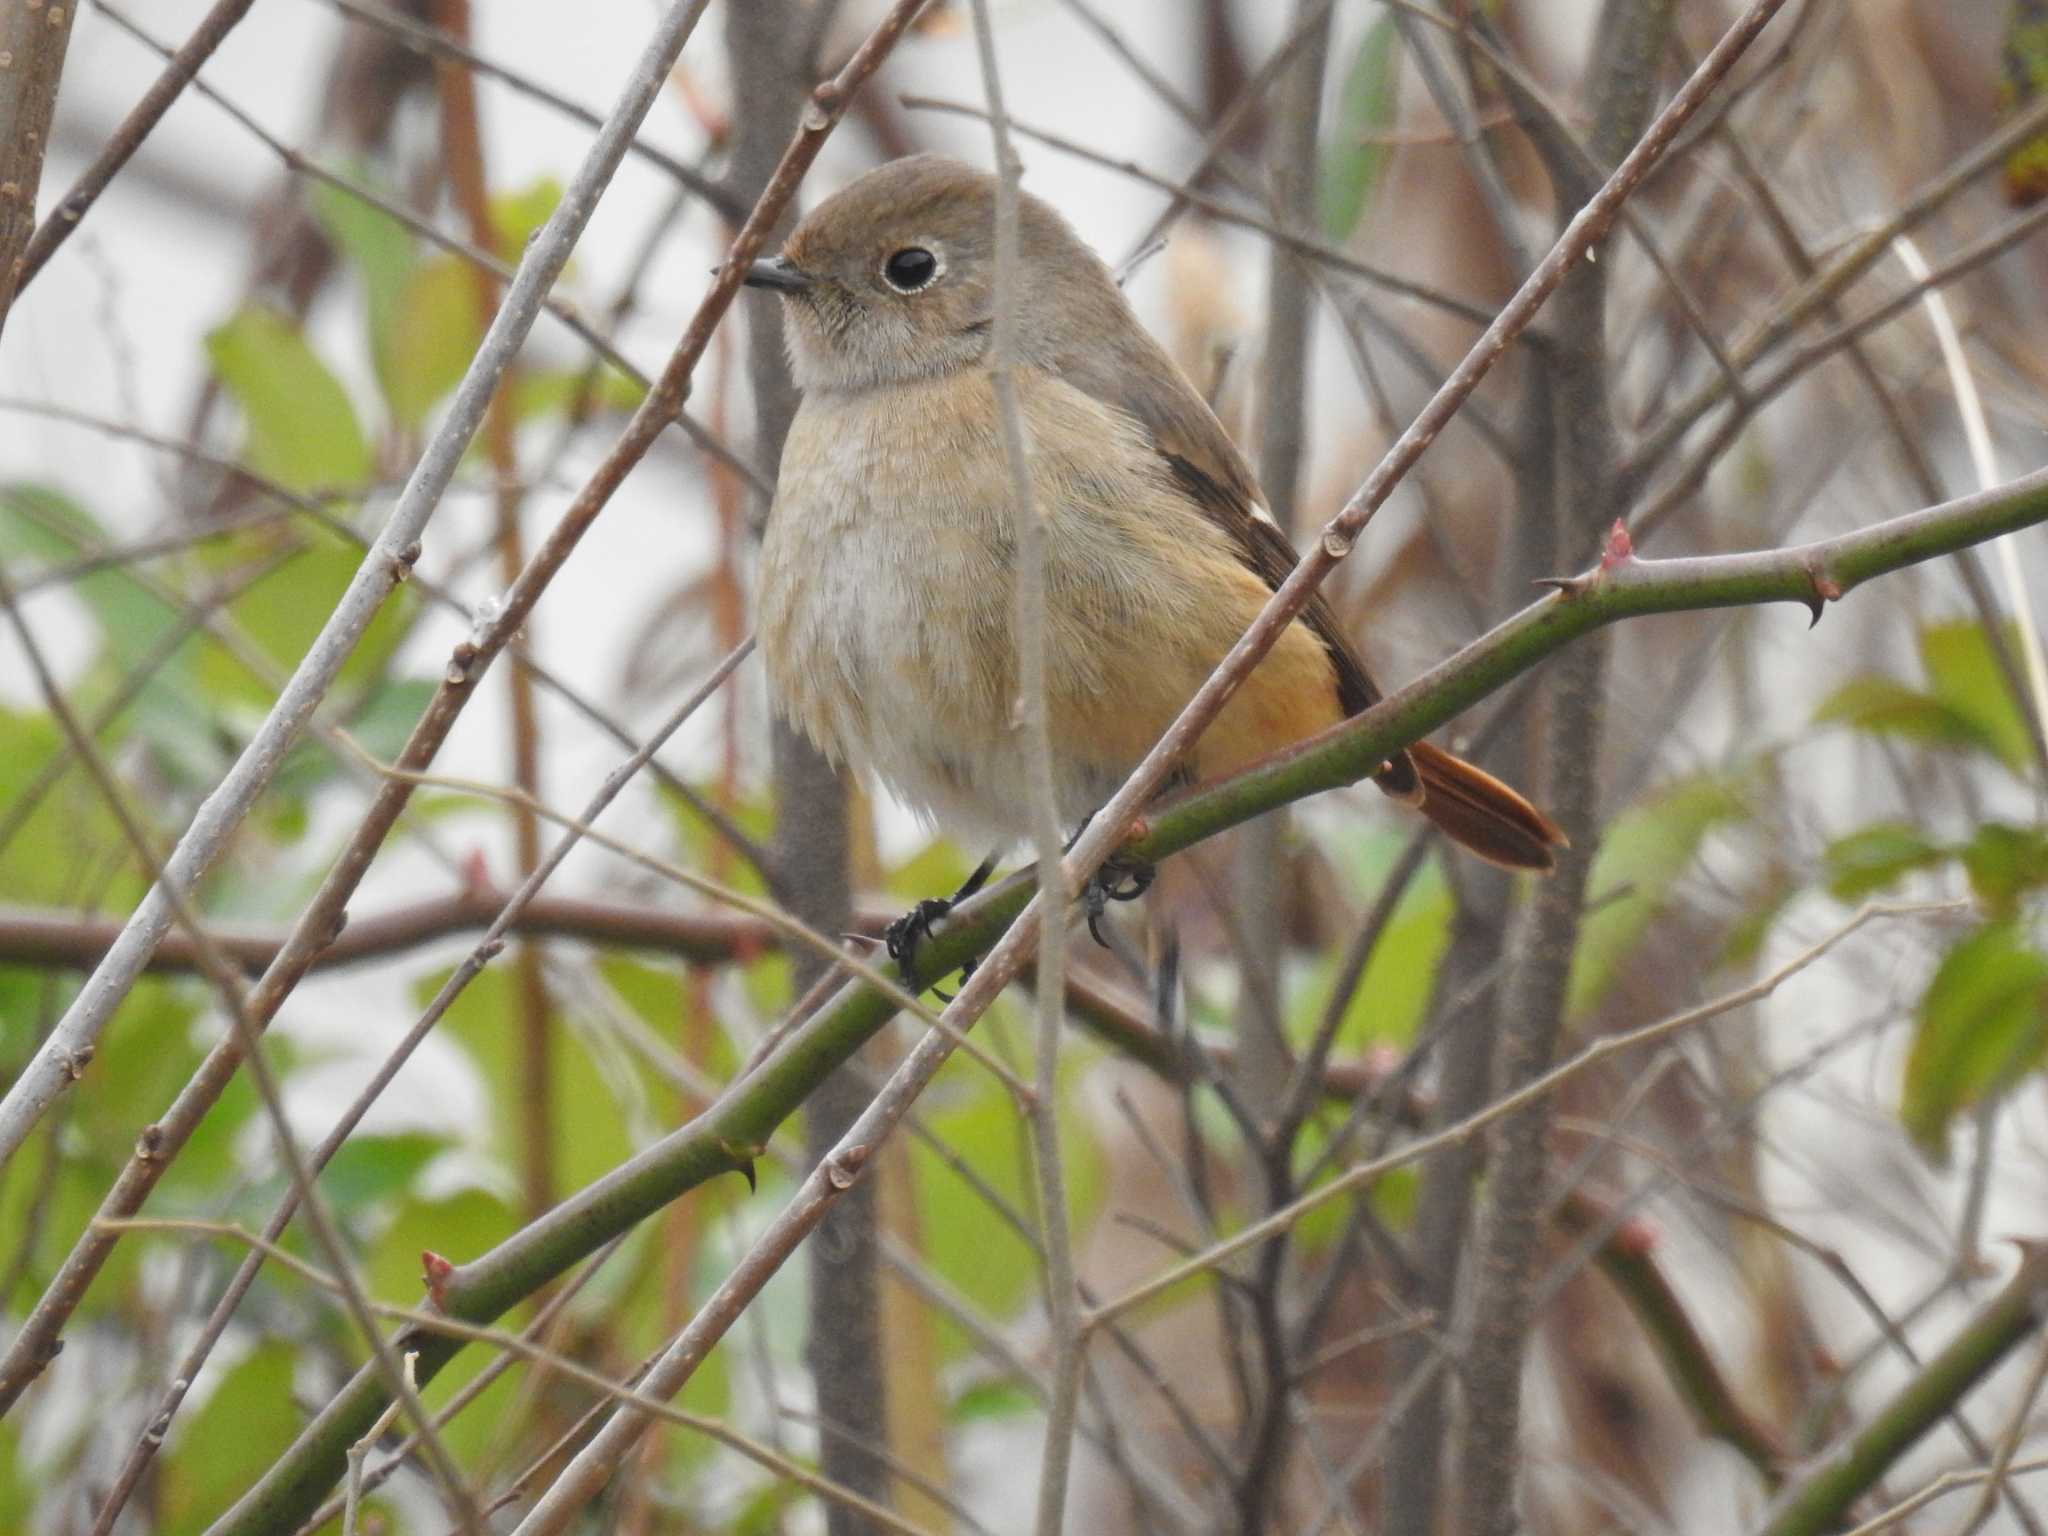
197 674
1981 1025
424 315
1355 149
1643 852
247 1419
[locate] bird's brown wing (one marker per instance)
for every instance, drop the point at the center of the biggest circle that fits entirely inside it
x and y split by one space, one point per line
1219 484
1133 375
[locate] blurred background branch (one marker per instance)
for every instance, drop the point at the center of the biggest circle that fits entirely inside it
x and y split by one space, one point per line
33 41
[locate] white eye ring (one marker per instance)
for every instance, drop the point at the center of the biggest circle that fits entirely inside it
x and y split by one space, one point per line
913 250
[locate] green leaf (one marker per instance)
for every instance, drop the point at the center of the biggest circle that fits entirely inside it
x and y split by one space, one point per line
553 391
153 1029
1980 1028
70 829
303 432
992 1399
2005 863
1968 703
766 1510
285 611
459 1227
1641 856
383 721
590 1135
703 846
368 1170
24 995
657 992
1883 706
147 1053
1876 856
965 1242
1965 674
227 1443
1744 940
516 216
436 332
172 713
1394 992
380 725
18 1490
42 522
383 253
2025 73
1355 157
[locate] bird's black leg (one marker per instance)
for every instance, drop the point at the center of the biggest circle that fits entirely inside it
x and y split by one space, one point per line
1068 846
915 926
1121 878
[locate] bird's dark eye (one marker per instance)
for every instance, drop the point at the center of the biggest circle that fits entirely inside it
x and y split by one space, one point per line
910 269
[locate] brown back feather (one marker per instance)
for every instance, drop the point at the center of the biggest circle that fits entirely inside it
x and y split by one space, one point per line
1135 376
1093 341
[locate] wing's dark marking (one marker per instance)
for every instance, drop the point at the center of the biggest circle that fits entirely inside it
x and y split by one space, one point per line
1272 556
1112 358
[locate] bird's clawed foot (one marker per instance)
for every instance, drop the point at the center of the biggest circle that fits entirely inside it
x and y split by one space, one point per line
1121 878
903 936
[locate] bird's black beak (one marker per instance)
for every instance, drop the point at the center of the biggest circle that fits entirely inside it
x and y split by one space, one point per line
777 273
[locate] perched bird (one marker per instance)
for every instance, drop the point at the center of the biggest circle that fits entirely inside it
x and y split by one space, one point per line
887 577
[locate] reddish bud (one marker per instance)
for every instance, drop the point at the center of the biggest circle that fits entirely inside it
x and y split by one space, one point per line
1619 546
434 1274
1637 1237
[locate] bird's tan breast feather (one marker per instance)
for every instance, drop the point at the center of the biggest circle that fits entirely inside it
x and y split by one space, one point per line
888 585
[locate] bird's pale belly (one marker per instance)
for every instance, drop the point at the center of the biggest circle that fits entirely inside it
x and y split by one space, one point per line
887 618
900 660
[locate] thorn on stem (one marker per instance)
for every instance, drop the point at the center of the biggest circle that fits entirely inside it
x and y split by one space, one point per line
1825 590
742 1154
1564 586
